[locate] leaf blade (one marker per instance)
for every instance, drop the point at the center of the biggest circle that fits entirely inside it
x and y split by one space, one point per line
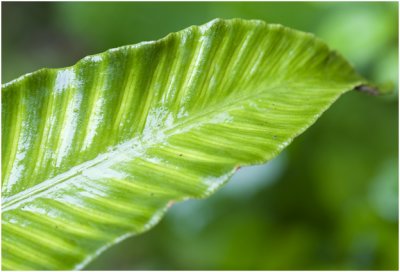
132 129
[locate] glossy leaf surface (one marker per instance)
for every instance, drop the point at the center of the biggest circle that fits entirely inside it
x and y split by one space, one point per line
96 152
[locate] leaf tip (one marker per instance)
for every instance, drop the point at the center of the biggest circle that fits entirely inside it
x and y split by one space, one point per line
375 90
368 89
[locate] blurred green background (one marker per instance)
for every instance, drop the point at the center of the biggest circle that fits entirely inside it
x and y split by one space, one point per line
330 201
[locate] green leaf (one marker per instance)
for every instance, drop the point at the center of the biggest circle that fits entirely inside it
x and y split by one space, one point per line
96 152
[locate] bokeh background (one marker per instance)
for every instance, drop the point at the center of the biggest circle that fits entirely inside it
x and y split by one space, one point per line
329 201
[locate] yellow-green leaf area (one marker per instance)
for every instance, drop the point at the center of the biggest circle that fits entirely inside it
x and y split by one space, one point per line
95 152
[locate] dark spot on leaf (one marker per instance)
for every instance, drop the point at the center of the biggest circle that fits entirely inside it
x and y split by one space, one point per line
72 241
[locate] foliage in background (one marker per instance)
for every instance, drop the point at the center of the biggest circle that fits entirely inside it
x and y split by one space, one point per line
337 175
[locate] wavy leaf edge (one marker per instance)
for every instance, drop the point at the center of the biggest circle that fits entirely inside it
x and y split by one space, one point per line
224 179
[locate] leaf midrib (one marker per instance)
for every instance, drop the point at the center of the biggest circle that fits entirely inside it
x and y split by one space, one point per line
135 147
